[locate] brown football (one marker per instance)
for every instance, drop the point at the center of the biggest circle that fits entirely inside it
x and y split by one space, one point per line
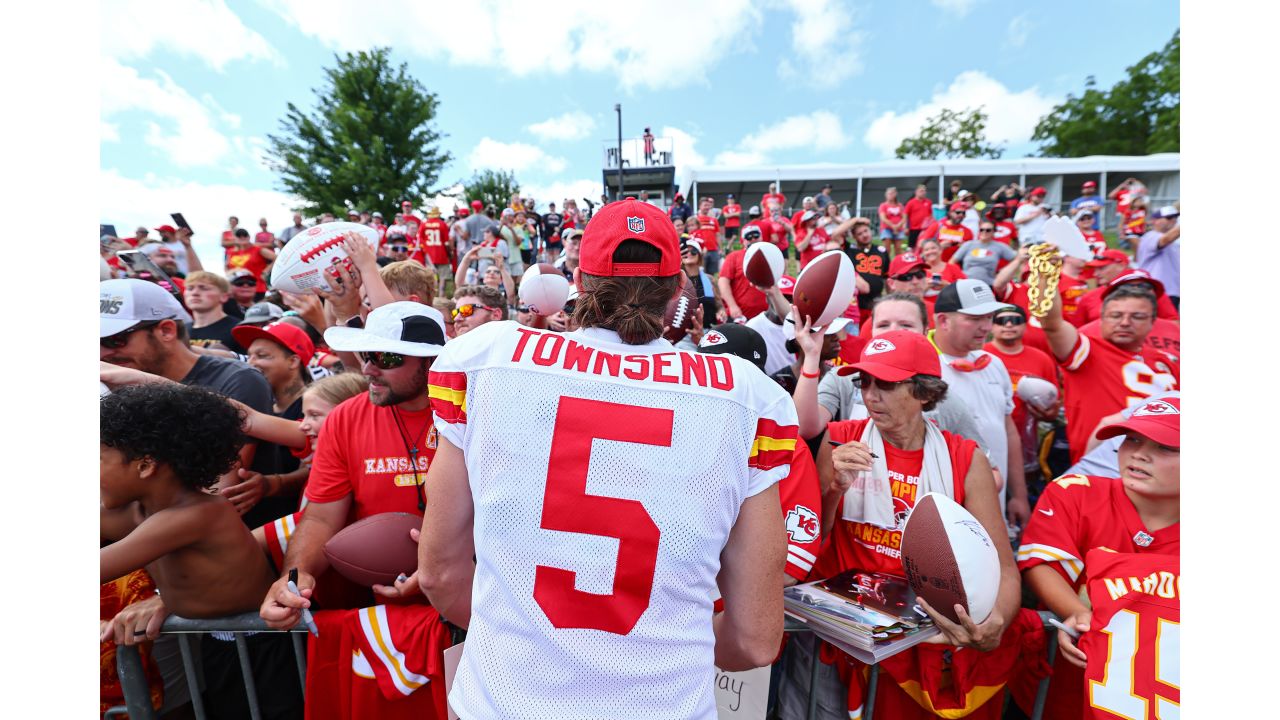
373 551
949 558
763 264
680 312
825 287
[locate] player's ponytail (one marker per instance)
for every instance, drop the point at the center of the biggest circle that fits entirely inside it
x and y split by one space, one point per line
633 307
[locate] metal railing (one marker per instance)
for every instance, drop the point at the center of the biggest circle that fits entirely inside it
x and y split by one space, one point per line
137 697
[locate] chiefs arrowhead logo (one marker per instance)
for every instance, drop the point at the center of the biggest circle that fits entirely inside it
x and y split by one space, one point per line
713 338
802 524
635 224
1156 407
879 345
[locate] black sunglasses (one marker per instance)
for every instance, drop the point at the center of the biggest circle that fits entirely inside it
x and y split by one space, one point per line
400 248
569 307
120 339
382 360
524 308
913 275
245 282
865 381
1014 320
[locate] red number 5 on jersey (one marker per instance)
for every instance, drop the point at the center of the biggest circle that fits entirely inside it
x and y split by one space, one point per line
568 508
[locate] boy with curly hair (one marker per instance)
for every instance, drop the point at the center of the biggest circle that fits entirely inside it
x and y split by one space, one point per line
162 446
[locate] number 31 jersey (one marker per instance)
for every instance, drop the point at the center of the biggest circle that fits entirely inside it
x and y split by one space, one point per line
605 479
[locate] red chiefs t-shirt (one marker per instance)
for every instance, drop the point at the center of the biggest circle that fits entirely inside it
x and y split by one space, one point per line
801 513
949 272
1006 232
1015 293
707 233
750 301
919 212
950 236
433 240
363 454
892 213
1165 336
1101 379
1029 361
1070 289
776 197
813 247
732 221
766 234
249 259
1095 240
866 547
1074 515
1089 307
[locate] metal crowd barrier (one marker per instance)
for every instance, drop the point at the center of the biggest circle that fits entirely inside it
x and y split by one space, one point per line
137 696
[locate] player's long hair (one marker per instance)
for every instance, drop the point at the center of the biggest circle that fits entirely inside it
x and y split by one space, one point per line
633 307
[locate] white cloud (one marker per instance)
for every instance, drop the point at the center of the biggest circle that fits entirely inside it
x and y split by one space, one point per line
642 50
492 154
1019 28
736 158
130 202
824 44
959 8
108 132
188 135
684 150
819 130
557 191
1011 116
205 29
573 125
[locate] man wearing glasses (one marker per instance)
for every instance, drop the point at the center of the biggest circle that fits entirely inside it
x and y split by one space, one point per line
475 305
980 258
950 231
1108 369
376 450
143 327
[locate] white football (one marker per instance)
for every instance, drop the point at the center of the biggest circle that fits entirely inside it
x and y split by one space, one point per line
1037 392
300 265
949 558
763 264
825 287
544 289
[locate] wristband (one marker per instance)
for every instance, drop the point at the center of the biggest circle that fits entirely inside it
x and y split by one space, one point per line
809 375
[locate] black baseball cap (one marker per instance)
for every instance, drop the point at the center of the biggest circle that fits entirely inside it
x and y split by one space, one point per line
735 339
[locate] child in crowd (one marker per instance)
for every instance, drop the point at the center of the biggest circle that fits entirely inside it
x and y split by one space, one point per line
162 446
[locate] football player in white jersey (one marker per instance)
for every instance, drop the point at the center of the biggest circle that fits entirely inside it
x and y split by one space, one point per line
608 487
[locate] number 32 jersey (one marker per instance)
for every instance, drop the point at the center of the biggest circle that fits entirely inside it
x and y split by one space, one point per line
605 479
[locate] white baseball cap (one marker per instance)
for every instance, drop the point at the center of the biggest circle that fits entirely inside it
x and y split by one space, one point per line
127 302
404 327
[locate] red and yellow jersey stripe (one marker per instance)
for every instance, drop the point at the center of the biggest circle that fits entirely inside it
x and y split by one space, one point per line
448 392
773 445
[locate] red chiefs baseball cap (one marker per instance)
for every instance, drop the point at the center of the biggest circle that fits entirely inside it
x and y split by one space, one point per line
1131 277
294 339
896 356
463 212
1157 419
961 206
1089 184
477 205
1107 257
904 263
787 285
167 228
629 219
1037 191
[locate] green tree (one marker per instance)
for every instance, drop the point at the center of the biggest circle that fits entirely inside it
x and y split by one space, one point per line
951 134
1139 115
492 187
368 144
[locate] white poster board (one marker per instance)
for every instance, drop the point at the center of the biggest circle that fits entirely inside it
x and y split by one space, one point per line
742 695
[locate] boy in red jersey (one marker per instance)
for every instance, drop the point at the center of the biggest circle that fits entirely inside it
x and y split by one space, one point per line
1079 516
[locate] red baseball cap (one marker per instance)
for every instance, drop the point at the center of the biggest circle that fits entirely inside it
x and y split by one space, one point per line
629 219
1157 419
293 339
896 356
1089 184
904 263
787 285
1037 191
1107 257
478 205
167 228
1134 276
463 212
961 206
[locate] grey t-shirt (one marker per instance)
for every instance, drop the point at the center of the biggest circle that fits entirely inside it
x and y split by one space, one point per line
979 259
234 379
843 399
475 226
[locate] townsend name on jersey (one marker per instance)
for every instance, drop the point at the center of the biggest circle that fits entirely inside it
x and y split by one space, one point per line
549 349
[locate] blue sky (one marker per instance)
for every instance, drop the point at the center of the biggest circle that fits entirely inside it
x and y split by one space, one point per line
191 88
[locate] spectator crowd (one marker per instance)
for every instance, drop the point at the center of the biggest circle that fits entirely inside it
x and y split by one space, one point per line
243 427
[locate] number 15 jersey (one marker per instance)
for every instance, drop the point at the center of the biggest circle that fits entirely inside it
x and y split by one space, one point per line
605 479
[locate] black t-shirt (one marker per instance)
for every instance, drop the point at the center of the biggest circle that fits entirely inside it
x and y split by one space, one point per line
551 226
218 332
233 309
872 263
270 459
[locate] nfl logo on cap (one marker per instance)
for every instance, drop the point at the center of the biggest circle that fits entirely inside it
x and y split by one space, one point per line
635 224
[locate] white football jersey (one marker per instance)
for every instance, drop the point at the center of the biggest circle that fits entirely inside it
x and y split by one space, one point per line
606 478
